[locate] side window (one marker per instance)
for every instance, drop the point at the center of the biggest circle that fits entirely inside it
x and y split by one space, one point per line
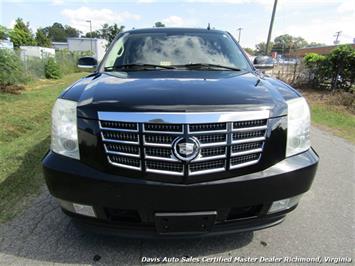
116 52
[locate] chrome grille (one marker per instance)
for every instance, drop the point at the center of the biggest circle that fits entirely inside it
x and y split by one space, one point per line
124 161
207 167
164 167
132 140
208 127
212 139
120 137
158 152
122 149
163 128
244 160
119 125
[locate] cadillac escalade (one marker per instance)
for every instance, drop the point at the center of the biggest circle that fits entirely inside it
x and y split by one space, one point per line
176 133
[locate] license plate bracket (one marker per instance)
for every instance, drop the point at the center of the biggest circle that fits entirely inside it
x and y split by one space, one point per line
185 222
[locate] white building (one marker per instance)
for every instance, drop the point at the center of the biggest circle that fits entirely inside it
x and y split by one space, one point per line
36 51
97 46
60 45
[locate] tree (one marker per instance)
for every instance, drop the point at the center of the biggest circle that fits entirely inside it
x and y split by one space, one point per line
285 43
261 47
93 34
56 32
109 32
4 33
249 50
21 34
159 24
59 33
316 44
71 32
42 39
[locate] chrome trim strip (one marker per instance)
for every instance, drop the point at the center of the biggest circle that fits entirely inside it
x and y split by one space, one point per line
246 152
118 141
207 132
118 129
161 158
248 140
183 118
207 158
206 171
243 129
213 144
163 172
163 132
157 145
121 153
124 165
244 164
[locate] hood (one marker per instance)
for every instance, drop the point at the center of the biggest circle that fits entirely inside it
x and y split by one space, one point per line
177 91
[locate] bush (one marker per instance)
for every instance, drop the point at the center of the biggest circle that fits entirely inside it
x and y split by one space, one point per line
12 68
68 60
337 68
341 62
35 68
52 69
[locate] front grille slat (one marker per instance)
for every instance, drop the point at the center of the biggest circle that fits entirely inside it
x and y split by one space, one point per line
210 166
223 145
211 127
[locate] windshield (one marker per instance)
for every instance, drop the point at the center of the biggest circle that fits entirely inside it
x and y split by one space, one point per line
176 49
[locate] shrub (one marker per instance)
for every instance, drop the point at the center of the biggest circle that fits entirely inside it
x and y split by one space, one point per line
67 60
337 68
35 68
52 69
12 68
342 66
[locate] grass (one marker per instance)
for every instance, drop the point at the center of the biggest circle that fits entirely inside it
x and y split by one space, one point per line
335 119
334 112
24 139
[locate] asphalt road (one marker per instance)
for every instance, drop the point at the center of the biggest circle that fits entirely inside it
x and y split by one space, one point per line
323 225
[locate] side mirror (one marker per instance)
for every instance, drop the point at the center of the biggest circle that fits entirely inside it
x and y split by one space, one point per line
87 62
263 62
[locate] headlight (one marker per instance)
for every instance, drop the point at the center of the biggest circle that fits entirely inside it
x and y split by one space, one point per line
298 128
64 129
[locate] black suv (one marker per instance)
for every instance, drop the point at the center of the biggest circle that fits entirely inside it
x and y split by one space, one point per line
176 133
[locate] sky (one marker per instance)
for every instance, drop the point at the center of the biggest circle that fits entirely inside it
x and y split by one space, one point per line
314 20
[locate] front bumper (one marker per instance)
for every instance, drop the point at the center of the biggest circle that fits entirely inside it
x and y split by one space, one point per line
241 202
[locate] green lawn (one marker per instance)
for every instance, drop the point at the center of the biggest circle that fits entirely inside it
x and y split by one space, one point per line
340 122
24 139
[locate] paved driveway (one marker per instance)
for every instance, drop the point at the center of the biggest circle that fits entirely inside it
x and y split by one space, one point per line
322 225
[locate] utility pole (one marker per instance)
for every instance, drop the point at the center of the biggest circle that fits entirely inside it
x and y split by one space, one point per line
270 27
337 34
90 35
239 30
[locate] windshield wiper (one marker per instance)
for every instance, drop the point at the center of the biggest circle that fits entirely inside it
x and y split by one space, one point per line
136 66
207 66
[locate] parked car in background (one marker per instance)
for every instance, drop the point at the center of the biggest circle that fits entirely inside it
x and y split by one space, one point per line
176 133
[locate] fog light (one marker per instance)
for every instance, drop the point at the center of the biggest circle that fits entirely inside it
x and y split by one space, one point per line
84 209
282 205
77 208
